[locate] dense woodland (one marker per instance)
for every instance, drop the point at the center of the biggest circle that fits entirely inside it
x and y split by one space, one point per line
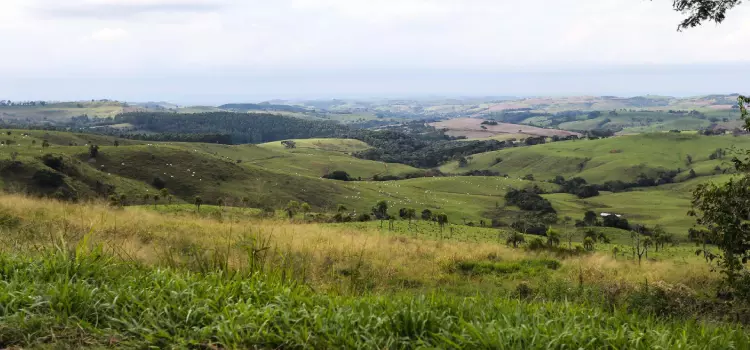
414 144
241 127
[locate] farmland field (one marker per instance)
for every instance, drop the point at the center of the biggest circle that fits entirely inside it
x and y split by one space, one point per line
473 128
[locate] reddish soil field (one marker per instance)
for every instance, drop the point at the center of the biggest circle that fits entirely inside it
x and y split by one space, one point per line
472 128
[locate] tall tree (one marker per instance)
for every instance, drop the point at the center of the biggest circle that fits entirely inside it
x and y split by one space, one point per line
380 211
724 210
700 11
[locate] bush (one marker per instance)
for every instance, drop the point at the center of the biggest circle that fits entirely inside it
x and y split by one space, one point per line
339 175
54 162
158 182
48 178
524 291
536 244
587 192
529 201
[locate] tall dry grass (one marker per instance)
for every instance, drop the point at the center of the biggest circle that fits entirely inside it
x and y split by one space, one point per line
325 257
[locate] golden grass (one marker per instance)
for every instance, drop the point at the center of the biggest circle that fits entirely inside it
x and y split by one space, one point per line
327 257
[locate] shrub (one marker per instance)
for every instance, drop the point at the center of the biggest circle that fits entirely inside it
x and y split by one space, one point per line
524 291
529 201
52 161
588 192
48 178
158 182
339 175
536 244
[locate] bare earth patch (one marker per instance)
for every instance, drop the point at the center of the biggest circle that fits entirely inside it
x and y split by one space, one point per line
472 128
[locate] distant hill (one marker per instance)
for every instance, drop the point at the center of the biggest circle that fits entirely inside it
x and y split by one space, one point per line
617 158
244 107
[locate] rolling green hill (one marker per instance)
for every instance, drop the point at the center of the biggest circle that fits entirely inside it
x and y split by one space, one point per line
270 175
617 158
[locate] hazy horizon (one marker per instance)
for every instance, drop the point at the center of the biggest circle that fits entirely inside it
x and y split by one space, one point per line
220 51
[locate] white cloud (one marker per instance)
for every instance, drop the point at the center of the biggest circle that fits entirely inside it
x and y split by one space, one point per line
109 34
279 37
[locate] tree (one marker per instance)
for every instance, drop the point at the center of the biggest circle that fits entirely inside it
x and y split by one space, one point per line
590 218
529 177
117 143
289 144
380 211
198 201
462 162
93 151
638 247
514 238
113 201
339 175
340 208
692 174
305 208
159 183
553 238
156 199
568 234
588 192
689 159
245 201
407 214
291 208
442 220
123 200
220 203
661 237
559 179
146 198
700 11
426 215
724 210
165 194
45 144
588 244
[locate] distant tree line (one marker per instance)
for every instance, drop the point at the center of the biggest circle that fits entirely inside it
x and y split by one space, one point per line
241 127
264 106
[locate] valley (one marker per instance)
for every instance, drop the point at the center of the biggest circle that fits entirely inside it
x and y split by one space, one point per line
547 222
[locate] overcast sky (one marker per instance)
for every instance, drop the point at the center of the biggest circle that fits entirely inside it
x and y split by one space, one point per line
215 51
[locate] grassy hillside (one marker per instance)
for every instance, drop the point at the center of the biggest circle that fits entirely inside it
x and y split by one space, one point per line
89 276
617 158
271 175
62 111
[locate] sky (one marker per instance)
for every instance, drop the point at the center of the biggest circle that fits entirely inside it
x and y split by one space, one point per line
218 51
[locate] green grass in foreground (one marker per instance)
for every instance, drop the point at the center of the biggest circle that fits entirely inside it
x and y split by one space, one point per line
88 300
